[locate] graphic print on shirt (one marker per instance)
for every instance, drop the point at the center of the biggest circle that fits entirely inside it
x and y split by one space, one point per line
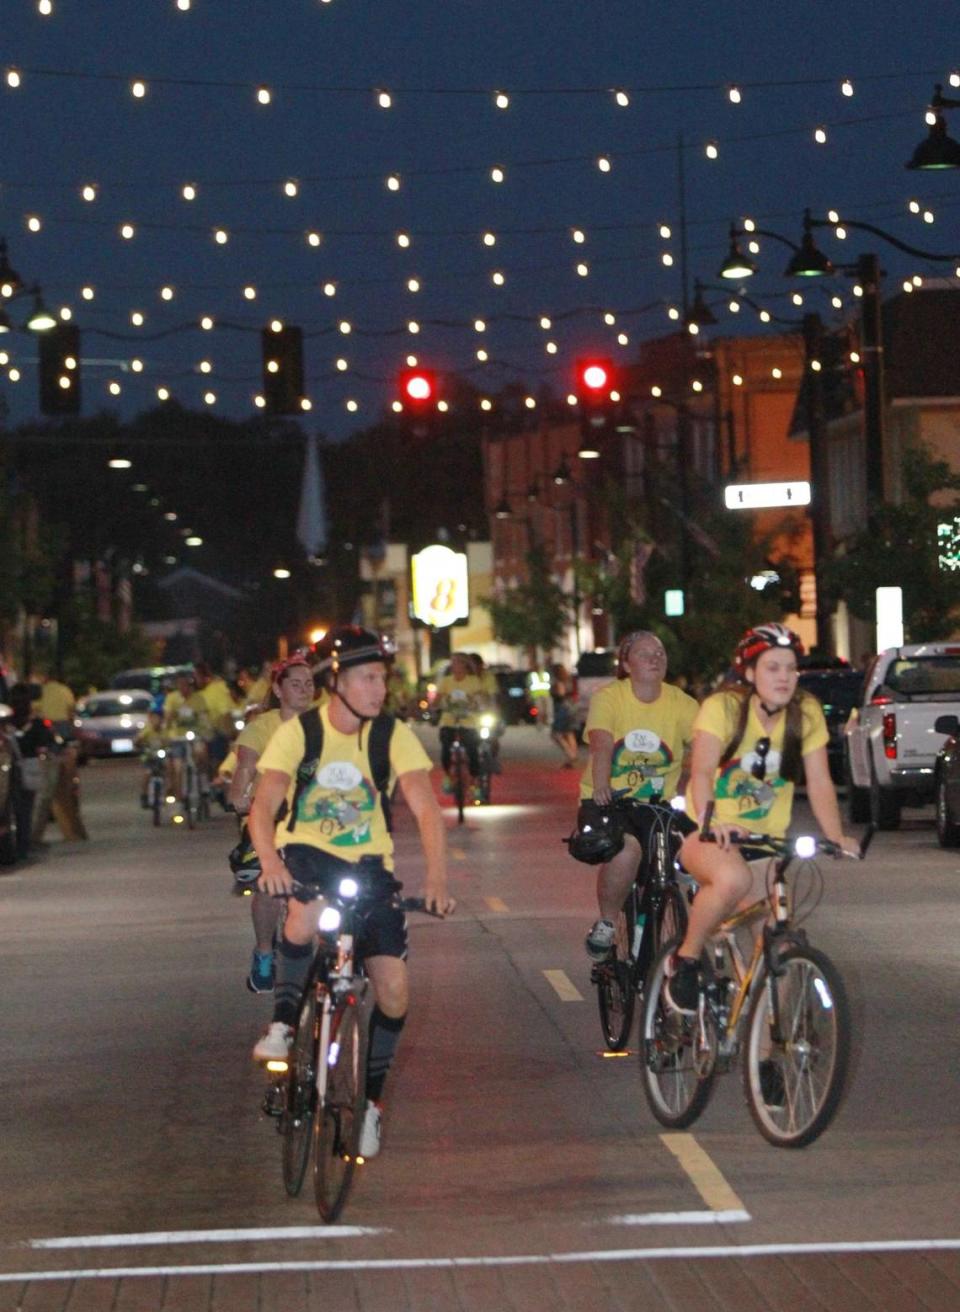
641 760
753 796
340 803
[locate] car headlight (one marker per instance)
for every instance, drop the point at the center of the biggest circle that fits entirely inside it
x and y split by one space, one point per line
348 888
329 920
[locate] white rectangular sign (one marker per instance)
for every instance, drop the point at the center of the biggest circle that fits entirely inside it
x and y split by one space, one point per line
758 496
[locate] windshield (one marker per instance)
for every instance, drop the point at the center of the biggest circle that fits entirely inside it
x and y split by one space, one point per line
837 691
921 676
123 704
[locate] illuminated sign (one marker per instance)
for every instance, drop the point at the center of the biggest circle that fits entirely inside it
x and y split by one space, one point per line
673 603
440 592
889 618
760 496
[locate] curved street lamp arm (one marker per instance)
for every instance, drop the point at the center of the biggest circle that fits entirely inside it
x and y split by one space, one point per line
884 236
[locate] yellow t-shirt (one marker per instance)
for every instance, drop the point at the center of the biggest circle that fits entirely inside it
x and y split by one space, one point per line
762 805
460 699
149 739
181 715
219 704
340 811
56 701
259 731
258 691
650 739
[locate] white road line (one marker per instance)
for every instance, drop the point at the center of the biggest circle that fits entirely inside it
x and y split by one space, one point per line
208 1236
520 1259
563 986
730 1216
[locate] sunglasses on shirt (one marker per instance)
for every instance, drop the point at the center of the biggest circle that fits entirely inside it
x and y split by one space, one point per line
760 750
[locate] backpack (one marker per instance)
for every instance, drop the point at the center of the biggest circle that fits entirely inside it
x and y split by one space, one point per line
378 751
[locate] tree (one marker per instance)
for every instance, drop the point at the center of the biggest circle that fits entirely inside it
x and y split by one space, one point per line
98 650
899 547
535 613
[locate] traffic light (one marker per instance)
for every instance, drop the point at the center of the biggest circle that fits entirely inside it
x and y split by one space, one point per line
282 348
418 388
59 355
596 383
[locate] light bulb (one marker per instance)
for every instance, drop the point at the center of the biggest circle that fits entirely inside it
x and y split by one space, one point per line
403 240
138 88
583 270
89 192
497 174
221 236
384 99
393 182
13 78
166 293
264 95
497 278
291 187
820 136
250 293
353 407
711 150
665 231
127 231
501 100
489 239
604 164
342 364
734 96
329 289
479 326
87 293
188 191
622 99
846 87
314 238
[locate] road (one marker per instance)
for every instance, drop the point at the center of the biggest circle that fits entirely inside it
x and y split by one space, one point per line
520 1167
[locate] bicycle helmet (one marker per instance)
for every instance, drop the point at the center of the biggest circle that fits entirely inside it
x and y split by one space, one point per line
279 668
349 645
598 836
762 638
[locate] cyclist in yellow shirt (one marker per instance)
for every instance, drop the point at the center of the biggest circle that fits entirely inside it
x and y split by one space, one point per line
184 713
291 694
337 823
460 696
752 739
639 731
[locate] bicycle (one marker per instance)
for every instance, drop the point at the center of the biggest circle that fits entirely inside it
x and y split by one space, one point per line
486 739
195 789
655 910
156 783
785 1009
459 766
320 1101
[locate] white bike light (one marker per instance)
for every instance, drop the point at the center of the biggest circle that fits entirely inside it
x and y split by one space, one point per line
190 735
805 847
348 887
484 732
678 803
161 754
329 920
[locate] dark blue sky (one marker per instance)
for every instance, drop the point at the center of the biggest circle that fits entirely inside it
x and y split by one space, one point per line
60 132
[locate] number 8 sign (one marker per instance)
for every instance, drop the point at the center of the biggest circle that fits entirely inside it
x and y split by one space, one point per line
440 586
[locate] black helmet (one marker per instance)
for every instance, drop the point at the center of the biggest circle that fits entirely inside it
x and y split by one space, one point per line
598 836
243 859
347 645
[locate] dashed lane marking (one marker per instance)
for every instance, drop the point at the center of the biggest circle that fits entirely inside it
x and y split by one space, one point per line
496 904
209 1236
458 854
563 986
703 1172
729 1217
683 1253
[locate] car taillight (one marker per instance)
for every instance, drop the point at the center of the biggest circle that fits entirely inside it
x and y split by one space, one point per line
880 699
890 735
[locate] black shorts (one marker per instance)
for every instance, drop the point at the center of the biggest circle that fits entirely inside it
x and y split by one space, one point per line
641 820
383 931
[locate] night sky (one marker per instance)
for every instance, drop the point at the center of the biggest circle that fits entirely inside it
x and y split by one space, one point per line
559 61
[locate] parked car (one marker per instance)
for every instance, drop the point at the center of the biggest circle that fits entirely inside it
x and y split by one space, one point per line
517 706
157 678
838 689
594 669
106 723
891 739
946 782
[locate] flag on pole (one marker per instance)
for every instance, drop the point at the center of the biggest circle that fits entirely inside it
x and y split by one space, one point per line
312 516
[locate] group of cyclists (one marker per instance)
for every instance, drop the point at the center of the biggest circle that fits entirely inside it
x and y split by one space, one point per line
313 773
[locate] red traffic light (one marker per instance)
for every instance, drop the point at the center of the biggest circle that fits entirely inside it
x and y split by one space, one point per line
595 378
418 386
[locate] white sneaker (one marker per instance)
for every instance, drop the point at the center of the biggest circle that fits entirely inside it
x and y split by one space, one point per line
275 1044
600 939
370 1134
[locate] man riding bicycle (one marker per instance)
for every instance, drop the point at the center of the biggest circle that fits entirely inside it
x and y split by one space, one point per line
460 695
335 820
639 731
752 741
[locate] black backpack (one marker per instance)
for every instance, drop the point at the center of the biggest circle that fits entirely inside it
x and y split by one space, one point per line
378 750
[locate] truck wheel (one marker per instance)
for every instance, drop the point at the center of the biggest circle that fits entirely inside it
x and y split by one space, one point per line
884 806
948 830
858 799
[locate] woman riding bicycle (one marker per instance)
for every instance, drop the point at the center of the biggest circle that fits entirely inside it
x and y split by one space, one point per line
752 742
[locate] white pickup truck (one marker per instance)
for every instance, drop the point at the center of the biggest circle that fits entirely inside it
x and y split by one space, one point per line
891 744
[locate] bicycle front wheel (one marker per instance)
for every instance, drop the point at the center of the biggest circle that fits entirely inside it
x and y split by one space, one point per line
300 1110
460 783
798 1048
156 801
616 982
678 1053
340 1119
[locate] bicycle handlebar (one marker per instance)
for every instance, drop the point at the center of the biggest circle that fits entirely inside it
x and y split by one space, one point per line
789 846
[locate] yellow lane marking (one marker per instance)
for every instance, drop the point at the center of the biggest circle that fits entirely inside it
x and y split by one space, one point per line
704 1174
496 904
458 854
563 986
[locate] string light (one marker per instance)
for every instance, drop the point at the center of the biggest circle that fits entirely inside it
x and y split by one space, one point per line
138 88
34 223
189 191
342 364
167 293
113 388
928 216
764 316
578 235
413 284
837 302
609 319
443 406
210 398
673 313
665 231
666 259
384 99
841 233
486 403
482 355
776 372
479 326
314 239
551 348
816 366
163 394
14 375
250 293
291 187
914 207
353 407
955 79
604 164
329 289
497 174
87 293
396 407
89 192
833 216
13 78
712 150
206 323
737 380
137 318
393 182
545 323
749 225
797 298
820 136
183 5
854 357
846 87
136 366
403 240
413 327
734 96
66 314
622 99
345 327
497 278
221 236
127 231
734 307
501 100
656 391
530 402
623 339
583 270
264 95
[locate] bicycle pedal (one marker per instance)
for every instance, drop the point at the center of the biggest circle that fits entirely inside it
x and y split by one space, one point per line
273 1101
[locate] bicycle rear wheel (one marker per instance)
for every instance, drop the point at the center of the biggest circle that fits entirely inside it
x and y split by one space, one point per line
340 1119
301 1101
677 1053
617 983
797 1050
459 781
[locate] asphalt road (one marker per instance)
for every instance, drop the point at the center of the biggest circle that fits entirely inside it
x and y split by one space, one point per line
521 1168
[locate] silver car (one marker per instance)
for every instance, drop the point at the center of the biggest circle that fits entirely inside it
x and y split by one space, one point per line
107 723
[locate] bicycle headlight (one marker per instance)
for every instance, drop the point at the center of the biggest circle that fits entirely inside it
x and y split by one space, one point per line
329 920
487 721
241 725
348 887
678 803
805 847
484 732
161 754
190 735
